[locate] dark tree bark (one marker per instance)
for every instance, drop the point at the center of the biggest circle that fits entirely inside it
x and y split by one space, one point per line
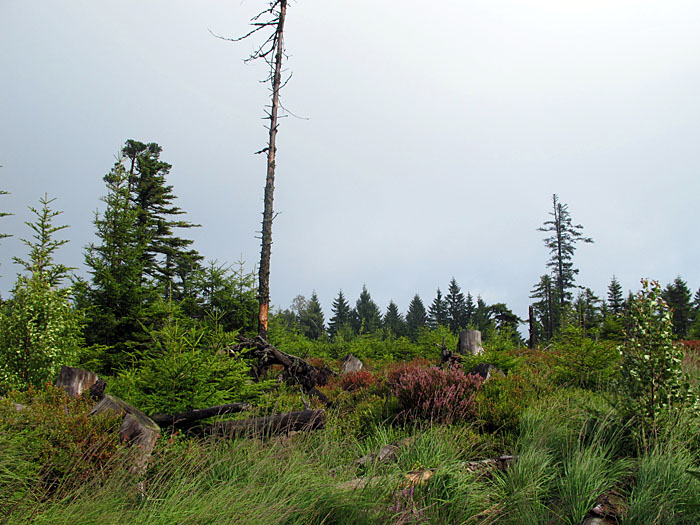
270 425
296 368
186 419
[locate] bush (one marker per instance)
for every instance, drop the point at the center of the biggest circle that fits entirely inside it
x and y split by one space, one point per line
501 401
583 362
51 444
435 394
653 387
187 368
356 380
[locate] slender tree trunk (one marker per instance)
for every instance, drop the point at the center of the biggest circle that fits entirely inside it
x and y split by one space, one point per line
268 214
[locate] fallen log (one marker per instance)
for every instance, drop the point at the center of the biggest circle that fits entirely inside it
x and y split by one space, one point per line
296 368
76 381
266 426
184 420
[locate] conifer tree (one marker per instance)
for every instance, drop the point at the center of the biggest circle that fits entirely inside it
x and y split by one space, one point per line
615 299
482 316
456 307
393 322
415 317
4 214
117 293
311 320
470 309
169 259
341 315
678 296
545 311
437 312
40 330
367 318
562 245
588 311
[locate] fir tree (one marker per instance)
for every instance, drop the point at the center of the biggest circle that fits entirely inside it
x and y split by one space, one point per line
588 311
415 317
562 245
167 256
678 296
457 317
394 323
40 330
482 316
367 318
437 312
341 315
615 299
311 320
470 309
545 311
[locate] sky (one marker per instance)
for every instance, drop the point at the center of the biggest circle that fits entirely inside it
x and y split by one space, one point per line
424 139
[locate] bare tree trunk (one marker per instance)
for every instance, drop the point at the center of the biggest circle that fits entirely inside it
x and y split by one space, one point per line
268 213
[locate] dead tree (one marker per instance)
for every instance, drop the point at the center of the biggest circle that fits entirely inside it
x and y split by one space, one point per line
272 52
297 369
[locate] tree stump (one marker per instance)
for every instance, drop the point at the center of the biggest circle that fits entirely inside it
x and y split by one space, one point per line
351 364
75 381
470 342
137 429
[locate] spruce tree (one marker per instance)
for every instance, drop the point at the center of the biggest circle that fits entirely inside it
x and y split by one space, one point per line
470 309
341 315
40 329
588 311
678 296
615 299
367 318
482 316
393 322
562 245
415 317
311 319
437 312
545 310
456 308
169 260
117 294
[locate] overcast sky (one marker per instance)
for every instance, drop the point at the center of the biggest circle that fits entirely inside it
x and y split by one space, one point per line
432 137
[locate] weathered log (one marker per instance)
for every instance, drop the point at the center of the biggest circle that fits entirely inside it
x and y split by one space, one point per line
470 342
266 426
136 428
75 381
185 419
296 368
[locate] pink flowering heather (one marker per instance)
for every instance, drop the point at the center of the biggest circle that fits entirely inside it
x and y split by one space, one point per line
435 394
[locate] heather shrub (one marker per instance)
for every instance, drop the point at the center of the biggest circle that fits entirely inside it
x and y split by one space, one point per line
356 380
435 394
51 443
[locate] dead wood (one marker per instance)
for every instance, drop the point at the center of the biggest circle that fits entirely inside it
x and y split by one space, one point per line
184 420
296 369
267 426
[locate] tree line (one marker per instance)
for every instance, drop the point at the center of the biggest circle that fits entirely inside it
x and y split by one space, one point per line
143 273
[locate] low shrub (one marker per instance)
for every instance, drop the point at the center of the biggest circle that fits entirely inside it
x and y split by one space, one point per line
501 401
356 380
51 444
435 394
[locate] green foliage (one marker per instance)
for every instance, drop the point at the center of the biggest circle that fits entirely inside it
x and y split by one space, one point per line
501 401
582 361
665 489
39 330
50 445
678 297
437 312
415 317
652 386
187 367
366 317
